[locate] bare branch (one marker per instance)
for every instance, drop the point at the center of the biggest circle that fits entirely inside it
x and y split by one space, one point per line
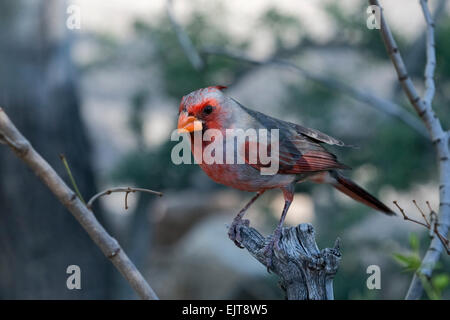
364 96
126 190
431 55
421 212
417 52
405 217
109 246
432 226
439 137
397 60
184 40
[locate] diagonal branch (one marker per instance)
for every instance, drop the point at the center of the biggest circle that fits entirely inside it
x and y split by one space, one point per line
22 148
439 137
432 227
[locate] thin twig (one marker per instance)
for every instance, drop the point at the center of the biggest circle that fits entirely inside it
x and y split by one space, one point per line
127 190
433 226
108 245
421 212
439 137
405 217
72 179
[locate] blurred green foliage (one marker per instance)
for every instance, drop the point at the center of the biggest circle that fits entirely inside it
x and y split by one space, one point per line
399 151
412 261
179 75
281 26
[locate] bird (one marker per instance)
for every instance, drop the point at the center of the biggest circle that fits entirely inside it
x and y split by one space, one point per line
302 156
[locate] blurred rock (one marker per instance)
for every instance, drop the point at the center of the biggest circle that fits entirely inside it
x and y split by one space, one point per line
205 264
176 213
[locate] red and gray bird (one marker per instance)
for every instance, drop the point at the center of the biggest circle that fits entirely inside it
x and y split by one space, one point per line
302 156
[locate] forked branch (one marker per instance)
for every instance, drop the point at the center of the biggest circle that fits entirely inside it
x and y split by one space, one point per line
22 148
432 223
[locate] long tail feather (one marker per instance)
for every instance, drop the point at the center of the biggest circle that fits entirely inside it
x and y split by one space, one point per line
357 193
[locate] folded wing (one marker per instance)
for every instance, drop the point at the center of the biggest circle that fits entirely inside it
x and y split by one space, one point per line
300 149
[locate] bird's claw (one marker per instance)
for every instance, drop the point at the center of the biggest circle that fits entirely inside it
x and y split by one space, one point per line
233 232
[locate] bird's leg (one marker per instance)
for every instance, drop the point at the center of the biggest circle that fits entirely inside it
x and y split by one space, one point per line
233 232
274 241
268 249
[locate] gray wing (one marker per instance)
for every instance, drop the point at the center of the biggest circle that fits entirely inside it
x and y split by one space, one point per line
272 123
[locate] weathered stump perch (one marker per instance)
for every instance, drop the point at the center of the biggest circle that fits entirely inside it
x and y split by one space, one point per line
306 273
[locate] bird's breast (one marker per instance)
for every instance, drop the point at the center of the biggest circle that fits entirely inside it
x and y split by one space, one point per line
237 175
245 177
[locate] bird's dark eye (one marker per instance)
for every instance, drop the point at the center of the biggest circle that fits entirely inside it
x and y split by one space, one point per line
208 109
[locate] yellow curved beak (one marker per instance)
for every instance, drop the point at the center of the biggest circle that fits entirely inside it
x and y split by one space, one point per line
188 123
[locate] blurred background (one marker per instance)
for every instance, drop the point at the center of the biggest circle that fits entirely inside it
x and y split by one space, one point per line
107 94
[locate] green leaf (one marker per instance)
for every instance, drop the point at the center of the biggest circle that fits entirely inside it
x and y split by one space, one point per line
402 259
440 281
409 262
